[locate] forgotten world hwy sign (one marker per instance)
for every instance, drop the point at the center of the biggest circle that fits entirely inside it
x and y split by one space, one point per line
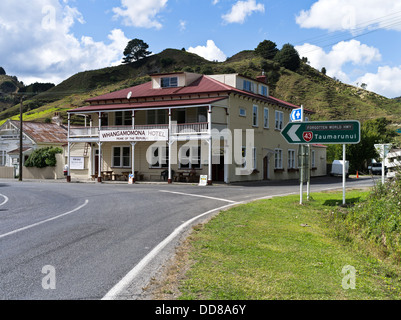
323 132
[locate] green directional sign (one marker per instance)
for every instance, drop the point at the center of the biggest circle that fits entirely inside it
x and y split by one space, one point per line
325 132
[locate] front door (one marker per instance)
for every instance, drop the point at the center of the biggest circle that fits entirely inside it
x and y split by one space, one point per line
96 163
265 168
218 170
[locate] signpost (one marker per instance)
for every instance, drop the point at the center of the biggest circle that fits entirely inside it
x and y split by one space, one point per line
324 132
297 114
383 150
328 132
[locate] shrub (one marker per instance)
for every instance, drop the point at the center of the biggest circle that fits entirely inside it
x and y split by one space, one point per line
377 221
45 157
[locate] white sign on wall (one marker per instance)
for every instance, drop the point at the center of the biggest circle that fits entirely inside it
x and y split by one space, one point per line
77 163
134 135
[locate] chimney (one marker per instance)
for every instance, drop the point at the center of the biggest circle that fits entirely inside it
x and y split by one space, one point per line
57 119
262 78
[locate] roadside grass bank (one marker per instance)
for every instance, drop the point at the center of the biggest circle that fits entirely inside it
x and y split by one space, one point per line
278 249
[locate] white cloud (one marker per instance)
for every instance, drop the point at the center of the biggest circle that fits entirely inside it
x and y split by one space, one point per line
36 42
183 25
342 53
241 10
387 81
335 15
210 52
140 13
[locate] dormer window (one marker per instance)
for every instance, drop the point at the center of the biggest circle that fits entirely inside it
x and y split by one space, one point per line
248 85
169 82
264 91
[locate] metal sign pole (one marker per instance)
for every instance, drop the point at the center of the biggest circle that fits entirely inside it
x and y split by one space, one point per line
383 159
301 185
308 172
301 176
344 177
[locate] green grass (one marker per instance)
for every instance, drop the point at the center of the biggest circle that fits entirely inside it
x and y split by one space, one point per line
263 250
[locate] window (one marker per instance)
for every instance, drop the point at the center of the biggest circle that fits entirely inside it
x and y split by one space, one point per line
202 115
157 116
291 159
255 116
279 120
3 154
160 157
248 85
168 82
190 157
254 157
242 112
105 119
278 159
266 118
123 118
264 91
121 157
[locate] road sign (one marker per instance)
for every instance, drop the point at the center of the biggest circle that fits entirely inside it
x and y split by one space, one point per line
325 132
296 115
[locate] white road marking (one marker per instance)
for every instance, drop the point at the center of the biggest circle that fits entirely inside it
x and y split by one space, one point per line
199 196
124 283
44 221
130 276
5 200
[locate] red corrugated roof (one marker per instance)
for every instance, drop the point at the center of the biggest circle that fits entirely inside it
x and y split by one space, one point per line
44 132
151 104
203 85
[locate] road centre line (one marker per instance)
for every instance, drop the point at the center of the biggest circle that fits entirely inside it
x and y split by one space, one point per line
44 221
5 199
198 195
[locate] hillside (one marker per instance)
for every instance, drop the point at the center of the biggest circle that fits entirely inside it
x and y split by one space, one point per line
8 85
329 98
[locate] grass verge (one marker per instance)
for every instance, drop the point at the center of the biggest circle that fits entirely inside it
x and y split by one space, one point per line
277 249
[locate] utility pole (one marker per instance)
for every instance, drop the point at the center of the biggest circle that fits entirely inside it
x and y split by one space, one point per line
20 140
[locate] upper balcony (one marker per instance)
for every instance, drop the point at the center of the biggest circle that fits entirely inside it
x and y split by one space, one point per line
92 133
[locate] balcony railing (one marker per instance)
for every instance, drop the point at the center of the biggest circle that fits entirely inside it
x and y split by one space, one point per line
177 129
188 128
91 132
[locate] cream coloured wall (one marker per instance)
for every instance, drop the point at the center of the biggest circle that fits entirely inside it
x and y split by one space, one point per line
266 141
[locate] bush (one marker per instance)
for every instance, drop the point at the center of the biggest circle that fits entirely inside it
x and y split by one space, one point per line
377 221
45 157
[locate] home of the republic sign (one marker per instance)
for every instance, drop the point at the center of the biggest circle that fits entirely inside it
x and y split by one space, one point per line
134 135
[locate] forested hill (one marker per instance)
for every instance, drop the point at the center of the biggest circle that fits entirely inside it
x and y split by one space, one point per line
329 98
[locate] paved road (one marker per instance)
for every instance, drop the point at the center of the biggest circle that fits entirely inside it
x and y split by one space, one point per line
90 236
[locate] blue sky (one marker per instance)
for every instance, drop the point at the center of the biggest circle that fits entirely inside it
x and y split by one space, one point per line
357 41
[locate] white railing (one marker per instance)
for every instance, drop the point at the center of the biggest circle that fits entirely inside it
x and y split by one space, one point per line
84 132
188 128
177 129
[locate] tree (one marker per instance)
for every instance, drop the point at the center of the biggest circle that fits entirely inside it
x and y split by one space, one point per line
288 57
324 71
136 49
2 71
267 49
359 155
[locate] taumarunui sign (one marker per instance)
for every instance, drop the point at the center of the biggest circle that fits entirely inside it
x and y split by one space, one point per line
134 135
329 132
